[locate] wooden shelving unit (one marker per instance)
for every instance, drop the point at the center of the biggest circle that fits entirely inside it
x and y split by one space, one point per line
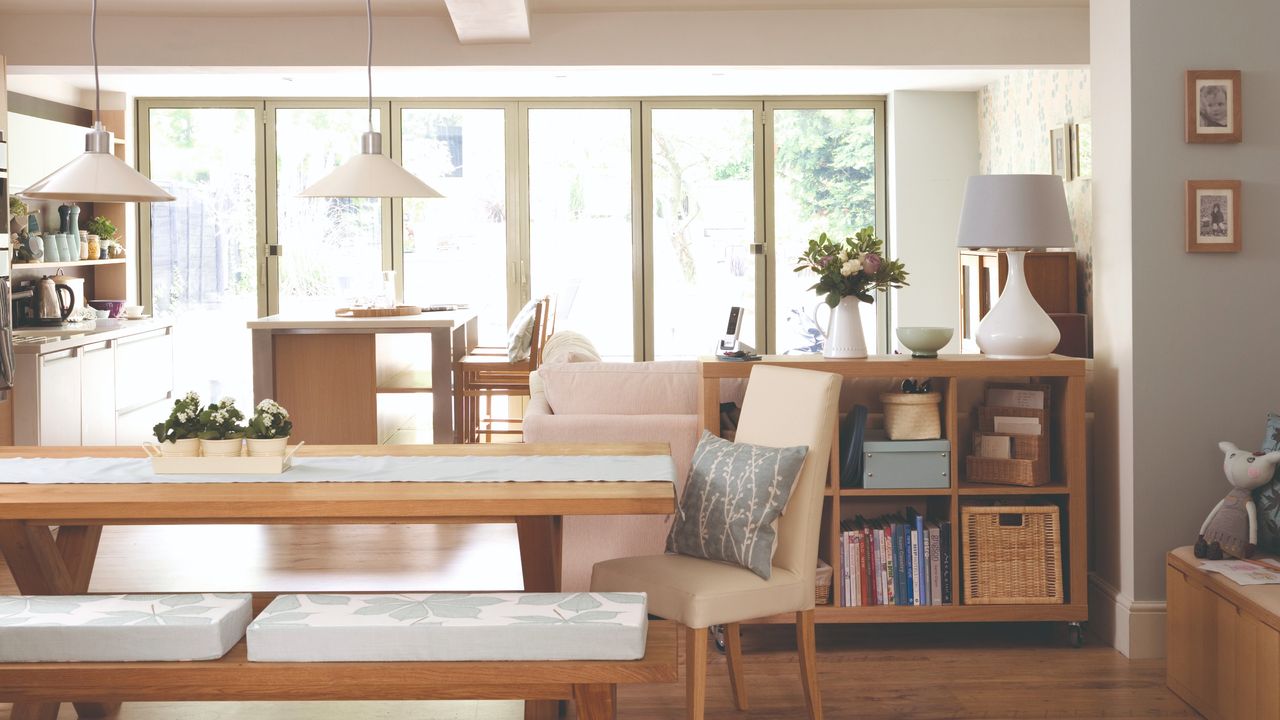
69 263
961 379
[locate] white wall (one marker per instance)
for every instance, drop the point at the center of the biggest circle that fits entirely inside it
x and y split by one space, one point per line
933 149
1187 343
1034 36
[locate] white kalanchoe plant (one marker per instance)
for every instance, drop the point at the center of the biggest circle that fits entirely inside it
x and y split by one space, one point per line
183 422
270 421
221 421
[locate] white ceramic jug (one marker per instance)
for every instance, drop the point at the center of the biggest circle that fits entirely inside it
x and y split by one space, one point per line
843 338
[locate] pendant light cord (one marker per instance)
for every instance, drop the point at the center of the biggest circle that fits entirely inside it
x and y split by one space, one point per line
368 6
93 45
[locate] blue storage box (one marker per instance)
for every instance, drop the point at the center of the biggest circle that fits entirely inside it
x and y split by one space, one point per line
905 464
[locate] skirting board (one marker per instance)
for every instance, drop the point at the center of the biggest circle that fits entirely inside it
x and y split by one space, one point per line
1134 627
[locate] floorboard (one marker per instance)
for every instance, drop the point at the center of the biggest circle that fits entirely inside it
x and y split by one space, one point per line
866 672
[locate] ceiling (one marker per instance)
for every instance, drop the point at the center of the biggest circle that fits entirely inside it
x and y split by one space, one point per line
508 82
437 7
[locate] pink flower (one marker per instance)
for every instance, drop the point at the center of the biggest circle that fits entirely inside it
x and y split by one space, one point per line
825 260
871 263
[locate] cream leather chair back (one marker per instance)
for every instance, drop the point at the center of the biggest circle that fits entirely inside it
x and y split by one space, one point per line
784 407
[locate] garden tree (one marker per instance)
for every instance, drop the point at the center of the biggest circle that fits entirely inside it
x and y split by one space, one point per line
829 158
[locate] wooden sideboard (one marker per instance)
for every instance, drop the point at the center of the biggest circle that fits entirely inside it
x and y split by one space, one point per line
1223 642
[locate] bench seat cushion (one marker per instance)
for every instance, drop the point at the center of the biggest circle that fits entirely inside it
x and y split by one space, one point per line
450 626
121 628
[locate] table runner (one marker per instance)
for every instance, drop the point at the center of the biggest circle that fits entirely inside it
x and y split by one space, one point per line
509 468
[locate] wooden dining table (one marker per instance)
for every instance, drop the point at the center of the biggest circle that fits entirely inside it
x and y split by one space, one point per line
49 533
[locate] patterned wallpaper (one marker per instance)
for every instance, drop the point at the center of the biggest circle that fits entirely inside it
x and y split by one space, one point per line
1015 115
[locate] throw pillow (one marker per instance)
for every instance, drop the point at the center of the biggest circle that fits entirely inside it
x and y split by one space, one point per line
520 334
1267 497
731 501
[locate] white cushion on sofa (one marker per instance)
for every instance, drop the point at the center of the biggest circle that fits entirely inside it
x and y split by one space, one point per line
618 388
450 626
121 628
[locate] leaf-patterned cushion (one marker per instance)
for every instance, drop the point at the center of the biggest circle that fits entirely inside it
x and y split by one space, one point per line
520 334
450 626
1267 497
733 498
120 628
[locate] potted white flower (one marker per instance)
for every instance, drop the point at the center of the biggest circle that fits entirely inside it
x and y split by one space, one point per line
179 434
268 431
221 429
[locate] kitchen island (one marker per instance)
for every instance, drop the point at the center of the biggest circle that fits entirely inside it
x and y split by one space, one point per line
330 372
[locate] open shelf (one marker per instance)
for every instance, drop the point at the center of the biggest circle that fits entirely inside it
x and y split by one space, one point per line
894 492
1053 488
67 264
1069 612
413 380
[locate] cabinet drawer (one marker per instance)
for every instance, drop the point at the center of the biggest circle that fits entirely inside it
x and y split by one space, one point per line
134 427
98 394
59 393
144 369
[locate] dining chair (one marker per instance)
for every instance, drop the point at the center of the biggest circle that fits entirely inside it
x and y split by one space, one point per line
482 376
783 407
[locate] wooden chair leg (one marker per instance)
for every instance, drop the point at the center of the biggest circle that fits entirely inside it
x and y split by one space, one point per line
596 702
807 648
695 670
733 653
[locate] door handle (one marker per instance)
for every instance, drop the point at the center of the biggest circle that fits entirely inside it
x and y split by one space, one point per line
756 248
275 250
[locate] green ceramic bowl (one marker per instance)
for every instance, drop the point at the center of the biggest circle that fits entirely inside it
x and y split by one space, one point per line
925 342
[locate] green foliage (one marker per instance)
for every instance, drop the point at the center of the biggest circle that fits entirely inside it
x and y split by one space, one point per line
183 422
830 159
221 421
270 420
102 227
17 208
855 266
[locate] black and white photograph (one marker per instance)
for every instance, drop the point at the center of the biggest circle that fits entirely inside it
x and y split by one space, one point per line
1060 151
1213 106
1213 216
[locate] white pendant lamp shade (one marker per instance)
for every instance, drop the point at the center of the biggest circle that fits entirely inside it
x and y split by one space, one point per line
96 176
371 175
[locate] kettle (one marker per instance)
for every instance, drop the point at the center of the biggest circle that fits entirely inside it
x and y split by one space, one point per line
49 307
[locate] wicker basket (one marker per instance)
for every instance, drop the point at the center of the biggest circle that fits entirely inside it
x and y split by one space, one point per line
912 416
1012 555
822 583
1028 466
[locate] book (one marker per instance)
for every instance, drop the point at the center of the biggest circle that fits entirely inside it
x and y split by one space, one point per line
935 564
945 558
921 543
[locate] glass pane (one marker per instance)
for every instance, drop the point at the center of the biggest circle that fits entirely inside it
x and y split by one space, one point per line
580 221
455 248
703 228
332 246
824 181
204 245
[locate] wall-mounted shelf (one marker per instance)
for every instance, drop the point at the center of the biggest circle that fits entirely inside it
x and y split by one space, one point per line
69 263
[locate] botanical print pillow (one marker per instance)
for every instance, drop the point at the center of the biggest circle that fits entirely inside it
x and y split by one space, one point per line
520 334
734 495
1268 496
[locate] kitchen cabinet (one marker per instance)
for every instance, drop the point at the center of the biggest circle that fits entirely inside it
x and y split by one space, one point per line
102 389
98 394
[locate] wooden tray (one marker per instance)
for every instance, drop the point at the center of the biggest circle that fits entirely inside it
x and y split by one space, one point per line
377 312
243 465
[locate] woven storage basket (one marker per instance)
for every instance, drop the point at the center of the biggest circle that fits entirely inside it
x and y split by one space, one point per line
912 416
1028 467
1012 555
822 583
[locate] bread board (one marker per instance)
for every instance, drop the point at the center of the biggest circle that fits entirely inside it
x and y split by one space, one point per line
377 312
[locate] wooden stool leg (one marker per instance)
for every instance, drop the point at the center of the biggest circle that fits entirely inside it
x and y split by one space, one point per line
806 646
695 670
733 653
596 702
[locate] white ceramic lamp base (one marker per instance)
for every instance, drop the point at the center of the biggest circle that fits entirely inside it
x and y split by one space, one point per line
1017 328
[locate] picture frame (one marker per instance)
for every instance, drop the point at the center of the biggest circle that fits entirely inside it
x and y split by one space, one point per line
1214 106
1213 216
1060 151
1082 149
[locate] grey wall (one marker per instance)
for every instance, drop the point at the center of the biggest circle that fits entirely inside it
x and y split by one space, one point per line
1205 334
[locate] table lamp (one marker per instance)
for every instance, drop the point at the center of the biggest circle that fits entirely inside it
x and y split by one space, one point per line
1015 213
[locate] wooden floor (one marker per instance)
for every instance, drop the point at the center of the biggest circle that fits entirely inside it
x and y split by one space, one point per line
923 671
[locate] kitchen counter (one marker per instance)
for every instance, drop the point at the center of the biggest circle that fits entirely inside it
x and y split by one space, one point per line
330 371
44 340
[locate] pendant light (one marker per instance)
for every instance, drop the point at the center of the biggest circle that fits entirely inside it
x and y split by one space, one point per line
97 175
370 174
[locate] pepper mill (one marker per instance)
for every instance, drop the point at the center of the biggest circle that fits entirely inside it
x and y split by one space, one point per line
73 220
63 211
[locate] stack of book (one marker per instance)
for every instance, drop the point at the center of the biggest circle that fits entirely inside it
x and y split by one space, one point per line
898 559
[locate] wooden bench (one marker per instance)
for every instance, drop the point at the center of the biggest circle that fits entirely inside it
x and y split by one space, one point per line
592 685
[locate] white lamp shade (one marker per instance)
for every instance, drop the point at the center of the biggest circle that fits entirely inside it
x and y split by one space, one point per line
96 177
371 175
1014 211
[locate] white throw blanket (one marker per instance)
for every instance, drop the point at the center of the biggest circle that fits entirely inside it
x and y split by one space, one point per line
510 468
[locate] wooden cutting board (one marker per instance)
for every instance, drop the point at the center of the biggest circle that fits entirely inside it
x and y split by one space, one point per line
377 312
